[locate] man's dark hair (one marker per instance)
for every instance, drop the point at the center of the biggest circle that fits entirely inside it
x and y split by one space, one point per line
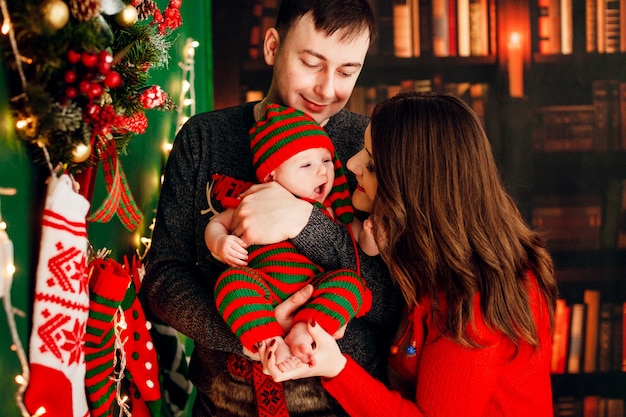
351 17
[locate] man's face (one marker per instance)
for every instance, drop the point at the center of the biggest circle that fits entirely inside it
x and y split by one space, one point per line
313 72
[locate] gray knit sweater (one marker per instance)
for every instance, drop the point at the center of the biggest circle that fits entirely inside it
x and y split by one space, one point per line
180 272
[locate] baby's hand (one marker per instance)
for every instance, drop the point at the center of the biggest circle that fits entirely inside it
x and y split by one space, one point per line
232 251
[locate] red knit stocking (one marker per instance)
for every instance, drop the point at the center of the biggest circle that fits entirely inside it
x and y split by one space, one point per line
61 306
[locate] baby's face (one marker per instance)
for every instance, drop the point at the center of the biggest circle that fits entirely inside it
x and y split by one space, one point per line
308 174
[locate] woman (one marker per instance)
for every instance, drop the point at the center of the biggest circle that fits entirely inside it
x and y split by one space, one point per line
478 284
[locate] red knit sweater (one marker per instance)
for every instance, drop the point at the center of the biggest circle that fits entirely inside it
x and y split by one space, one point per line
449 380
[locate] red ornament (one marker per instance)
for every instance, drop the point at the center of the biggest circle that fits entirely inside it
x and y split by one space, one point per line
113 79
89 59
73 57
70 76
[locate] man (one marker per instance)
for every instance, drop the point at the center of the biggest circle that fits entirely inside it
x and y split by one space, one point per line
317 51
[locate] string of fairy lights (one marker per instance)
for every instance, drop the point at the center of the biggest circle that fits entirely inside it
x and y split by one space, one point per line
186 108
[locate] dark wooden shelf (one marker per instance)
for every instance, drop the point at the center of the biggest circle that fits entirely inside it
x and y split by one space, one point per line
607 384
576 172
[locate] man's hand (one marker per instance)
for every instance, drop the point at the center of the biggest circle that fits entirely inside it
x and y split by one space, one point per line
268 213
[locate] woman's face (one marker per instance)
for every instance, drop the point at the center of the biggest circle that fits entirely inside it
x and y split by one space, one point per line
362 165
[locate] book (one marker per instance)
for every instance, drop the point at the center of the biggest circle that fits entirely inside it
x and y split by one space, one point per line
600 100
604 337
440 33
576 339
591 406
479 27
426 27
622 351
611 29
452 28
592 321
600 25
402 31
591 26
613 213
568 222
564 128
615 407
463 28
416 41
560 337
568 406
549 27
617 337
567 27
622 106
622 25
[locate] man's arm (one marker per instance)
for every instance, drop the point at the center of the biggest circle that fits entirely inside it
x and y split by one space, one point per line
178 286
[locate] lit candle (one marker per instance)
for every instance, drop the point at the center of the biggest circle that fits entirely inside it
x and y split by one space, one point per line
515 66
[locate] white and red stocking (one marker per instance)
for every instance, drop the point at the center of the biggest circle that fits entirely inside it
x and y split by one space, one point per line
61 306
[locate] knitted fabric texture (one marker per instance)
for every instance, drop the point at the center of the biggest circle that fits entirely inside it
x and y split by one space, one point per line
61 306
283 132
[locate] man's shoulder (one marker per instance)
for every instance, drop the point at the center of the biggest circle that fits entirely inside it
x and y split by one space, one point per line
228 115
347 120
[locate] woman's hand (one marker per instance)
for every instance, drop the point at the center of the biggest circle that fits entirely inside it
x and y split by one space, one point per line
329 359
268 213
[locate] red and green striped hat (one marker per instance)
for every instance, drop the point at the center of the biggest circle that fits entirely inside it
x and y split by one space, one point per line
283 132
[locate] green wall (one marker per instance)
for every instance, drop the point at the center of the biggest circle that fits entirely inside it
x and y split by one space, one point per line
143 166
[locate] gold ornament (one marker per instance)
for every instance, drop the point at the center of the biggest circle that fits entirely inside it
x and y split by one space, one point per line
127 17
81 152
55 14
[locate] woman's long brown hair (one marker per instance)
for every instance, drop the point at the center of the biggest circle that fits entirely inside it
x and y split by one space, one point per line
450 225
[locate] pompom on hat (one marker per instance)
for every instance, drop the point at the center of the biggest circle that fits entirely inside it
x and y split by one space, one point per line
281 133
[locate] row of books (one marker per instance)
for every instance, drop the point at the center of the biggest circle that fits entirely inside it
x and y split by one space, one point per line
584 221
364 98
589 335
588 406
599 125
603 23
441 28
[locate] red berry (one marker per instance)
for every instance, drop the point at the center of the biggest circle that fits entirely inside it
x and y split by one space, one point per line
71 92
70 76
94 90
84 86
113 79
73 57
104 67
105 56
89 59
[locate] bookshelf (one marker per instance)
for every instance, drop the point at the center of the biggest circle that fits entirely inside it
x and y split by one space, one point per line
548 78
